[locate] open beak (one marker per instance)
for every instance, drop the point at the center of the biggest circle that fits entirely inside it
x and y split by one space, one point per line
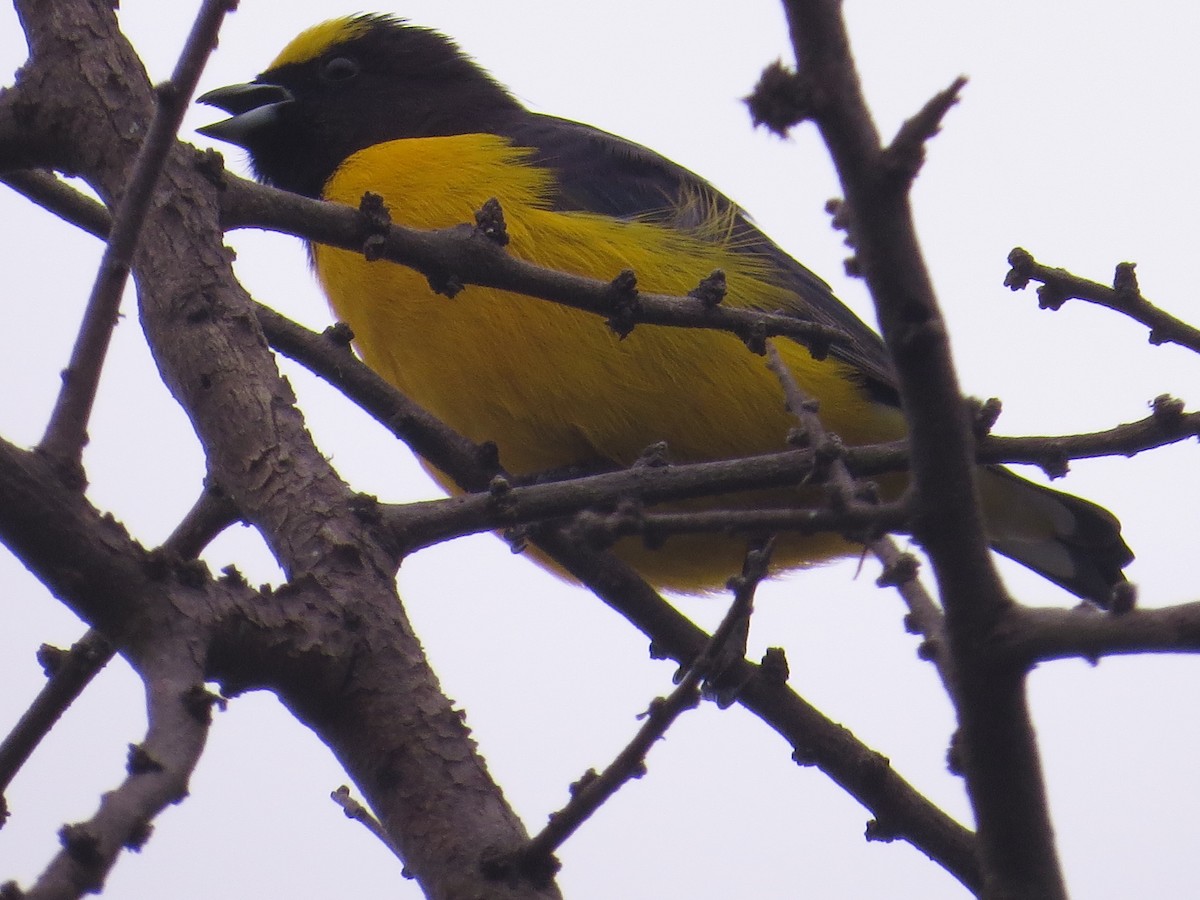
253 107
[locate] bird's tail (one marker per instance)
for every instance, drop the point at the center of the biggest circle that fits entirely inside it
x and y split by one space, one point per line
1069 540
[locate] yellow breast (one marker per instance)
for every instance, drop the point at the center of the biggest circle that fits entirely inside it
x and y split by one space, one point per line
552 386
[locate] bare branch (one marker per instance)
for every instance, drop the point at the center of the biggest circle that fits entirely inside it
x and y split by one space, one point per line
906 153
900 811
464 255
629 519
66 432
50 192
159 769
1059 286
1000 756
900 570
829 449
359 813
593 790
1166 424
924 617
1037 635
69 674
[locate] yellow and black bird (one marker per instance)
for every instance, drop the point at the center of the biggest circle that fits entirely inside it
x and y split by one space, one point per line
373 103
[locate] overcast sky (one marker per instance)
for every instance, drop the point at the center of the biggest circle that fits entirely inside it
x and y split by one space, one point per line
1075 138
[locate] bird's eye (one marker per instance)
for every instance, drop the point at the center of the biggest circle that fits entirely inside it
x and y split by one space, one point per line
340 68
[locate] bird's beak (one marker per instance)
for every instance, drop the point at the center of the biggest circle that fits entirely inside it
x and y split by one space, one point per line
254 106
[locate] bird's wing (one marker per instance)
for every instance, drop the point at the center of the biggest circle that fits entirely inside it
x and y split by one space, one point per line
601 173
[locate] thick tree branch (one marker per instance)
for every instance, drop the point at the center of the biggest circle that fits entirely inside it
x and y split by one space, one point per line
214 359
338 671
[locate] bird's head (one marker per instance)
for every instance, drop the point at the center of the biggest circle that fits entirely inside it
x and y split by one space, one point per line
350 83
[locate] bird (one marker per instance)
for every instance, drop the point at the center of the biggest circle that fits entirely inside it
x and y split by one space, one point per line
375 103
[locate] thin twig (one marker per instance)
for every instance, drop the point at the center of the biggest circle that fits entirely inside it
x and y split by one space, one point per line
66 433
1166 424
900 570
1059 286
849 494
359 813
593 790
924 617
69 673
806 411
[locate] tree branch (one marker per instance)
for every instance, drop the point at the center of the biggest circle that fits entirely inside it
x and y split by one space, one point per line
73 670
1000 757
213 358
70 672
327 355
51 193
159 769
466 255
1038 635
900 811
1059 286
593 790
900 570
66 432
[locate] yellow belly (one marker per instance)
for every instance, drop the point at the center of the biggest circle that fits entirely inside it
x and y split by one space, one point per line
554 387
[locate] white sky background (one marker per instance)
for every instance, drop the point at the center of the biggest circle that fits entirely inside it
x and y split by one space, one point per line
1075 139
